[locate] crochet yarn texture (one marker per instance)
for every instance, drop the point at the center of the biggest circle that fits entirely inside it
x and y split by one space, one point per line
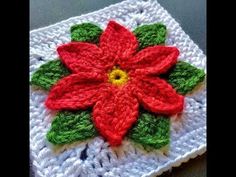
183 133
86 32
150 34
150 129
115 94
76 126
48 74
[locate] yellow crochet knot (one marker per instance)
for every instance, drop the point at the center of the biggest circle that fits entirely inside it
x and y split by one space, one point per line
117 76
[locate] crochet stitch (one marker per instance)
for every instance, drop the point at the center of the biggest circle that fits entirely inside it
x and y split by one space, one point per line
118 76
115 109
184 77
151 131
95 157
68 127
149 35
48 74
86 32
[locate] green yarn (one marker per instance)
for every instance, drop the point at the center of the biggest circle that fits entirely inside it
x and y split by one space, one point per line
48 74
151 131
184 77
68 127
150 35
85 32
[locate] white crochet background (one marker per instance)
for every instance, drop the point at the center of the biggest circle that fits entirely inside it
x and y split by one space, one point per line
188 135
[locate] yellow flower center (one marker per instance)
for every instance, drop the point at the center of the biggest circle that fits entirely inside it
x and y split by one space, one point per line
117 76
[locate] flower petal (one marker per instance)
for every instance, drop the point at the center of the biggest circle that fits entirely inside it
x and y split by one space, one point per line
76 91
157 96
82 57
117 42
115 113
152 60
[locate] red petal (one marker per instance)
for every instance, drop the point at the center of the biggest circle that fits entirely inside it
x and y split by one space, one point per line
117 42
82 57
152 60
115 113
76 91
156 95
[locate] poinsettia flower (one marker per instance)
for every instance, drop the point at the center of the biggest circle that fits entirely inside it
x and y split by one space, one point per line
115 79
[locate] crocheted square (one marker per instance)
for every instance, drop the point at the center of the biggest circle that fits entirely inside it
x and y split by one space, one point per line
115 93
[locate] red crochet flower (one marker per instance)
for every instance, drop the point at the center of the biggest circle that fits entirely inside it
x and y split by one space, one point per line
115 79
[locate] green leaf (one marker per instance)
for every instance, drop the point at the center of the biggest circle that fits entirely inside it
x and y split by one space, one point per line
151 131
150 35
185 77
48 74
85 32
68 127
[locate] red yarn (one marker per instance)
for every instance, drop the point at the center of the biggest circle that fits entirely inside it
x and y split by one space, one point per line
83 57
152 60
117 43
76 91
115 113
115 108
156 95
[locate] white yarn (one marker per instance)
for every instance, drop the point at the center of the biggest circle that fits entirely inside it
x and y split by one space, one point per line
188 135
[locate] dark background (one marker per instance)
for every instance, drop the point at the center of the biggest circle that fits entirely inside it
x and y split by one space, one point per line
191 14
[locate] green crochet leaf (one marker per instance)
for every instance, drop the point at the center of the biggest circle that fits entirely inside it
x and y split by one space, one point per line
68 127
85 32
48 74
151 131
150 35
185 77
